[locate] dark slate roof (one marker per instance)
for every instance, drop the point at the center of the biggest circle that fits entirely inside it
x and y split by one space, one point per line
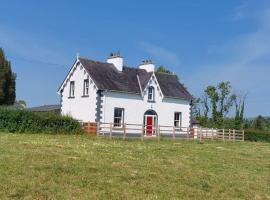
107 77
171 87
46 108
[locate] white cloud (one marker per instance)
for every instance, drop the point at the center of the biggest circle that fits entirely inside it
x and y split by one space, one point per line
161 54
245 61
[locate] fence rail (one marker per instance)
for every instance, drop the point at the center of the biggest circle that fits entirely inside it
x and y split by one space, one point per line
146 131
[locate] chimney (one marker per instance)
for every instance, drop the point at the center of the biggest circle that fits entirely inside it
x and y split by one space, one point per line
147 65
116 60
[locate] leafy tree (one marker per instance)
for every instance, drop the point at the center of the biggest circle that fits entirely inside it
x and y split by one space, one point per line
219 100
212 93
22 103
7 81
239 110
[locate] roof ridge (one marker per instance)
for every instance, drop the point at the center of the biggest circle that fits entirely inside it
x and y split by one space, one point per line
165 73
96 61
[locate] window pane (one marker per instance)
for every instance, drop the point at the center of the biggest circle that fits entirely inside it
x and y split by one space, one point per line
86 87
118 116
71 88
151 93
177 119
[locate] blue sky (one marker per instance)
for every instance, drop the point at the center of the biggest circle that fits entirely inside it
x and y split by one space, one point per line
204 42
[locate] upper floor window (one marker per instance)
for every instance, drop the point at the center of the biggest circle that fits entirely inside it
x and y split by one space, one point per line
178 119
72 89
151 93
86 87
118 117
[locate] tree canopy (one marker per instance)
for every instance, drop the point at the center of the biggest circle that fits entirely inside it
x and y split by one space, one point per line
7 81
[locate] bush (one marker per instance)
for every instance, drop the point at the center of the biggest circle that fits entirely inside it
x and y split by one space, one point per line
14 120
257 135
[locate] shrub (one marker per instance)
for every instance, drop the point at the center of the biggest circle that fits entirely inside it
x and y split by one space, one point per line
14 120
257 135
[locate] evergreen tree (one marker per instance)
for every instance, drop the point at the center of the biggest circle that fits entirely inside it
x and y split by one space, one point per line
7 81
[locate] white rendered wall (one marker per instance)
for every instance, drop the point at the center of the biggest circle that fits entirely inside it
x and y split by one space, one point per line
80 108
135 106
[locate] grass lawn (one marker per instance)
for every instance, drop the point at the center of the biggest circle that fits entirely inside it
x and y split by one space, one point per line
43 166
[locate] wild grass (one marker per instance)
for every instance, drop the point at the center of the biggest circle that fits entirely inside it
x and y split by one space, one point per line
40 166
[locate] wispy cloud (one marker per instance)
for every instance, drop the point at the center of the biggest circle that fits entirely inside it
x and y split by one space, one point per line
30 48
244 60
160 54
240 11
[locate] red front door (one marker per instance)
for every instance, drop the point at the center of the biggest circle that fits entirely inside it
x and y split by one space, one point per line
149 125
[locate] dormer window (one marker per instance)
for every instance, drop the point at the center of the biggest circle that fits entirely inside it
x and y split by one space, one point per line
72 89
151 93
86 87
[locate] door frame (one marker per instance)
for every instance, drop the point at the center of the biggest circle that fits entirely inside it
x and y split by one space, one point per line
153 126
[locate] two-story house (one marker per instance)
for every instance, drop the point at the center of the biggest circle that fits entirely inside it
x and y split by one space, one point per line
109 91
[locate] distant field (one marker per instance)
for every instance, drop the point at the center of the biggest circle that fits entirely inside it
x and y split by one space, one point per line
43 166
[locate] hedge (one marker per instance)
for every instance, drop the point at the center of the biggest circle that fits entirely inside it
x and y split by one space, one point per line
257 135
22 121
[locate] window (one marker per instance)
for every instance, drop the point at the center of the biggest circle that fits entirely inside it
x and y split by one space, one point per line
86 87
71 89
118 117
151 93
178 119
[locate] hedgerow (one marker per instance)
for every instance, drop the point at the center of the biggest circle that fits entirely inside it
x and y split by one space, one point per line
257 135
22 121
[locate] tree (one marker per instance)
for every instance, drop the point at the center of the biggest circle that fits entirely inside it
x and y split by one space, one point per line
21 103
239 110
7 81
212 93
219 100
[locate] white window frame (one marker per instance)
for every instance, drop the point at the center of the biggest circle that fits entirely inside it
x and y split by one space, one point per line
72 89
151 93
177 122
118 118
86 87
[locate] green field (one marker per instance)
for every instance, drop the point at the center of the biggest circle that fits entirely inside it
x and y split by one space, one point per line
44 166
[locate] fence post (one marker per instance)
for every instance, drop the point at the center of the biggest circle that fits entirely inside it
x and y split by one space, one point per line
233 135
200 133
223 134
243 135
124 134
173 132
212 132
142 132
187 133
110 130
98 125
229 134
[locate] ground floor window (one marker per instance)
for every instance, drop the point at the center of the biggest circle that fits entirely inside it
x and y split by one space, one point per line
118 117
178 119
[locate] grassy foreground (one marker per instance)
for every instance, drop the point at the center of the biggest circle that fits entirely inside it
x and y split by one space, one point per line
43 166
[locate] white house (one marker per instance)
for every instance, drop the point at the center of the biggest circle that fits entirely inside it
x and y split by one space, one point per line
109 91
